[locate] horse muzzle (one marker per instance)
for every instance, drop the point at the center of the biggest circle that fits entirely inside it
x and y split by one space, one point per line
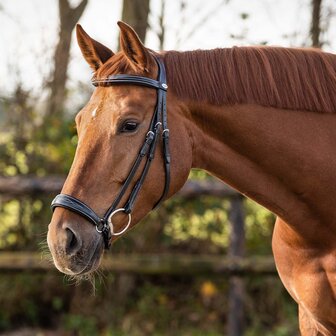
74 243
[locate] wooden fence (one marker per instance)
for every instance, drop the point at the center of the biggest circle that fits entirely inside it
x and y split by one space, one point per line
32 185
235 265
170 264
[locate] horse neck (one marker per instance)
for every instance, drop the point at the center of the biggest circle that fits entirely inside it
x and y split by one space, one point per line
234 145
268 155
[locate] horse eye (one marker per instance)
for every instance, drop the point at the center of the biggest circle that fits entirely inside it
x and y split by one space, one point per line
129 126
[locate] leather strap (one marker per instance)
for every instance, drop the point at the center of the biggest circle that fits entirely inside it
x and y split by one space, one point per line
158 125
130 79
75 205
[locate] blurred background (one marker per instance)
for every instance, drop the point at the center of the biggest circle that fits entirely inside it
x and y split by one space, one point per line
202 263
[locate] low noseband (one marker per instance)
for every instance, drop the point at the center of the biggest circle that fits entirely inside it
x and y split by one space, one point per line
158 125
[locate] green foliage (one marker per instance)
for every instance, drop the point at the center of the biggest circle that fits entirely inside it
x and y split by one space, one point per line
80 325
160 306
30 145
204 220
259 223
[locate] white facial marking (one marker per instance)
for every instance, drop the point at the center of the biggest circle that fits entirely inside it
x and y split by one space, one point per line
94 112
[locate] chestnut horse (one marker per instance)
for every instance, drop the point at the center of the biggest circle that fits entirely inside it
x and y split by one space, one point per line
259 118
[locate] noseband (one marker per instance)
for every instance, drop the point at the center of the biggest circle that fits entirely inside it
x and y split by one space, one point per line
157 126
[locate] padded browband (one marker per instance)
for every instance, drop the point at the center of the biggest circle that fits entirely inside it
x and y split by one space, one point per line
130 79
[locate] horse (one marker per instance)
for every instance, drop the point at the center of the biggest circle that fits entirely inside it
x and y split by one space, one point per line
262 119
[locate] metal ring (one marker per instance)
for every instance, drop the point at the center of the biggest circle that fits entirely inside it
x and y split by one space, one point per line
150 132
99 231
109 221
165 130
102 221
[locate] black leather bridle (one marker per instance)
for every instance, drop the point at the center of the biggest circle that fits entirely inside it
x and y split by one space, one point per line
158 125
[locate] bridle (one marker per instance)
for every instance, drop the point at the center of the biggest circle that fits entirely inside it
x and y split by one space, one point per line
158 125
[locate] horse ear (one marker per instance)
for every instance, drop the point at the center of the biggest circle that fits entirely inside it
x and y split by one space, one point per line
133 48
95 53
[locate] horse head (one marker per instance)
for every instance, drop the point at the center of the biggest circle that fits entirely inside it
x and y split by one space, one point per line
112 130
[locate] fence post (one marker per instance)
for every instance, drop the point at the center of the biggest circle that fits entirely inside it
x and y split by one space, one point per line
236 319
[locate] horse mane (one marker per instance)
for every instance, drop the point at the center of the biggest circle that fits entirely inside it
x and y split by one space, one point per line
297 79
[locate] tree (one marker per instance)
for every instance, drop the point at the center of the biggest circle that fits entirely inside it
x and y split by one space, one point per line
135 13
315 28
236 318
68 18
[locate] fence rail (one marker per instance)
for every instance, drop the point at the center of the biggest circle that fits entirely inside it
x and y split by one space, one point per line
30 185
169 264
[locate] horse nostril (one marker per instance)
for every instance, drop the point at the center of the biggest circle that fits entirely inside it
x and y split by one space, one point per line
72 244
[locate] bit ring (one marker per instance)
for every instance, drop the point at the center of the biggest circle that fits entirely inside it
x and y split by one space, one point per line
109 222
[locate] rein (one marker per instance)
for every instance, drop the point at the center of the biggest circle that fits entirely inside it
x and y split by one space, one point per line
158 125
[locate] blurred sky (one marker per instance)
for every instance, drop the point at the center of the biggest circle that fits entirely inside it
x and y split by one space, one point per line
29 31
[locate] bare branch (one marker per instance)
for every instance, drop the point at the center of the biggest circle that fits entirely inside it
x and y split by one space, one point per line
204 18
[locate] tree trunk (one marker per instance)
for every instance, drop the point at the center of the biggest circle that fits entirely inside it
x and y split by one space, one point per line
162 32
315 29
135 13
236 319
68 18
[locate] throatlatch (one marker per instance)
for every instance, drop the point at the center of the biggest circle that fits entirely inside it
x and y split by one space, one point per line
158 125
